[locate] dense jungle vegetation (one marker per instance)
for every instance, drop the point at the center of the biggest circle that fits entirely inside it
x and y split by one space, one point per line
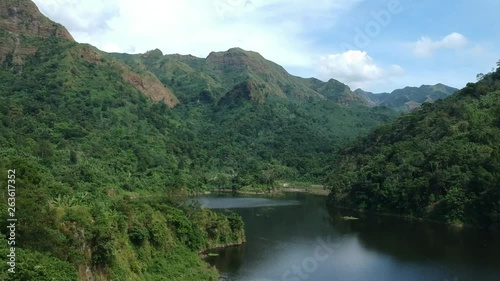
440 163
100 186
103 172
106 149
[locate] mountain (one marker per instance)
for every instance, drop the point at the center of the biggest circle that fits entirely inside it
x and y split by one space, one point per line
209 79
28 38
234 109
439 163
247 111
105 148
407 99
18 22
94 155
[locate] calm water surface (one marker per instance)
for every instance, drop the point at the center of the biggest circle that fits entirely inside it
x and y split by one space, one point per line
297 238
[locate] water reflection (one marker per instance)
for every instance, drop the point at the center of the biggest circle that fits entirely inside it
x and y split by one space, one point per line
282 240
232 202
229 259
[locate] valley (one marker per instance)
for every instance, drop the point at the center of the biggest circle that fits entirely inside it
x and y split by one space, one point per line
109 147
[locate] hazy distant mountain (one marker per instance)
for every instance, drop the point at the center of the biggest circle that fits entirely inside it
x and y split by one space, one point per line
408 98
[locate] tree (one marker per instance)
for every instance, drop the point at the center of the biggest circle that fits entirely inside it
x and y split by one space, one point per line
221 180
480 76
73 157
44 150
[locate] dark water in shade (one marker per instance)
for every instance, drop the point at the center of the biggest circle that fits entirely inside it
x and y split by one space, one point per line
242 202
297 238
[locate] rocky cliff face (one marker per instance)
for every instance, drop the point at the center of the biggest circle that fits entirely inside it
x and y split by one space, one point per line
237 59
22 17
19 21
150 86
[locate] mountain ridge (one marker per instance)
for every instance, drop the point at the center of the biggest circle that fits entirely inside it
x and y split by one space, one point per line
407 98
221 71
214 76
24 17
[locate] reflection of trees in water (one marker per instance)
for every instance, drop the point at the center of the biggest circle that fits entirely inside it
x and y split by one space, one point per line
267 227
230 259
308 218
442 250
420 241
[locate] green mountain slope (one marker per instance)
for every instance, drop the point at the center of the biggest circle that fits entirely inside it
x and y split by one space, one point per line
407 99
208 80
440 163
105 154
28 38
107 148
291 140
98 186
90 92
245 112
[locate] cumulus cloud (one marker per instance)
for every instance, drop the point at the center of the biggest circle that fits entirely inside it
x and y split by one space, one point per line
79 15
425 47
357 69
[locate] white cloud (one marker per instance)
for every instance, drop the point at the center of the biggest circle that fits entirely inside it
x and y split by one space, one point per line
275 28
425 47
80 15
357 69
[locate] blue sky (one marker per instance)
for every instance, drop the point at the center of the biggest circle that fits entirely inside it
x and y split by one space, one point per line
378 45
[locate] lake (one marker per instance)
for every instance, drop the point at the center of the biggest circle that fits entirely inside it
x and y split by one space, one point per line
295 237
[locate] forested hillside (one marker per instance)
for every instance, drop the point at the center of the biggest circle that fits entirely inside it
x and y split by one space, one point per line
100 194
106 148
440 163
106 152
249 123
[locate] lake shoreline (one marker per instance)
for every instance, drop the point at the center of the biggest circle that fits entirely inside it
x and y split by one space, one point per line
290 234
320 191
416 219
204 253
276 192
